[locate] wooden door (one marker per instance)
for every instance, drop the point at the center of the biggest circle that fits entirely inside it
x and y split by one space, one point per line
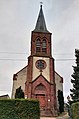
41 99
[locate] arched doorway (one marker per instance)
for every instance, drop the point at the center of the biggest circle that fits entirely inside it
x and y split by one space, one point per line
40 94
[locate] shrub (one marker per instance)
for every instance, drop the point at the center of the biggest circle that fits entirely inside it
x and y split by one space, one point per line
19 109
75 110
19 93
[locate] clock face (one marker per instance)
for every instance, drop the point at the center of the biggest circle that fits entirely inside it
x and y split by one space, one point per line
40 64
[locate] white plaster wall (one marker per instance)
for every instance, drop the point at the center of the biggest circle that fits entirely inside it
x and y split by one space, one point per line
59 85
45 73
21 79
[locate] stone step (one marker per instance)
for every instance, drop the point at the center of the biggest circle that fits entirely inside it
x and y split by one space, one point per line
46 113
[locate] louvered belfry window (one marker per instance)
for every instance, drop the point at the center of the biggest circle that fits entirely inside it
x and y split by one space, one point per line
38 45
44 46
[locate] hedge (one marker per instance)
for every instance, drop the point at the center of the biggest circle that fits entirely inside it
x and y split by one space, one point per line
75 110
19 109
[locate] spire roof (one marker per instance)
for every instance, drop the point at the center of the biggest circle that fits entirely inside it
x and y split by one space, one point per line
41 25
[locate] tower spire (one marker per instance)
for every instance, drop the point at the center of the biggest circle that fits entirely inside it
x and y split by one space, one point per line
41 24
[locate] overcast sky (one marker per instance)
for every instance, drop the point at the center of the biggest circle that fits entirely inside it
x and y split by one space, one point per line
18 19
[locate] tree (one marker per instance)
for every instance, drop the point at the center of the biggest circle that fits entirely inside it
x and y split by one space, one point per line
61 101
75 81
19 93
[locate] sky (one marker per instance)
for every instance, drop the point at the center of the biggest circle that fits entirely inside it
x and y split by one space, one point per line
17 20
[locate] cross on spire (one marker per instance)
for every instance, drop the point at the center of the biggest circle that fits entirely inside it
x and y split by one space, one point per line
41 3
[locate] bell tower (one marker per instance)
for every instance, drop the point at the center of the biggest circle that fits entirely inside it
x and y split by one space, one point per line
40 82
41 37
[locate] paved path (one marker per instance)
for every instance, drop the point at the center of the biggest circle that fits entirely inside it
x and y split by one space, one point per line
60 117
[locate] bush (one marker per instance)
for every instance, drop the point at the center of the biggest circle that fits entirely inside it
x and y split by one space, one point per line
61 101
75 110
19 93
19 109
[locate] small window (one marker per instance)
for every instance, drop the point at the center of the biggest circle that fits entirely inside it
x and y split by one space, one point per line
44 46
38 45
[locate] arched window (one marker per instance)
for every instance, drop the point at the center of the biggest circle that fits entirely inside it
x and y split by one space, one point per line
44 46
40 87
38 45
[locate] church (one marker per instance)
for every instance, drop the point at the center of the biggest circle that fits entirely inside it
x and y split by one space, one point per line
38 79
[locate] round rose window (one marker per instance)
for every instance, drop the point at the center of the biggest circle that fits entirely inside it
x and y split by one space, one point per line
40 64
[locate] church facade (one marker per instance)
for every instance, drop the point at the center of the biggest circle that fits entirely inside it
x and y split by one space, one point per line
38 79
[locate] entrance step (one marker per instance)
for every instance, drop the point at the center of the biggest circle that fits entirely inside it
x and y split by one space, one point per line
46 113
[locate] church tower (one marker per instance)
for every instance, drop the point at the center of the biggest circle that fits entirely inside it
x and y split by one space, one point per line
40 81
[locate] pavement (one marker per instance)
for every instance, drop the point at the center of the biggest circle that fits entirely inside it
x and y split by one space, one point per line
59 117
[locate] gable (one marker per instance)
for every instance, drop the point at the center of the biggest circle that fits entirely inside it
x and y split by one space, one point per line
19 79
59 82
42 78
58 77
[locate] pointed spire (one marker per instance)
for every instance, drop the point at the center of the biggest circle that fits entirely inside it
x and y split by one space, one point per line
41 25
